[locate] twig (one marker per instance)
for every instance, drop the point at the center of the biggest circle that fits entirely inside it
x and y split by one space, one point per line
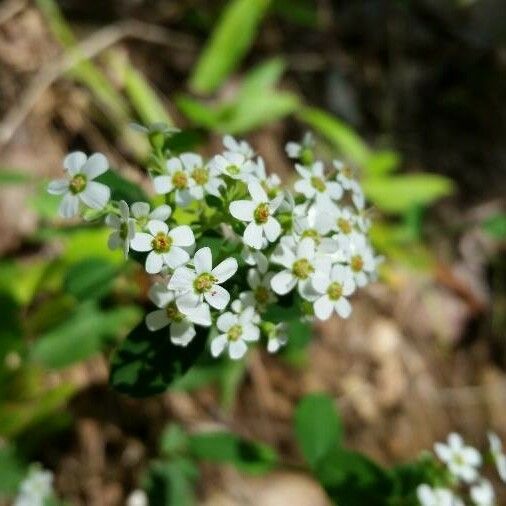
88 48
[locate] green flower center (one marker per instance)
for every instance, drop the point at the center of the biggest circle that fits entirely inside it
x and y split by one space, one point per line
173 313
318 184
302 268
204 282
234 332
161 243
261 213
313 234
335 291
77 183
201 176
344 226
233 170
356 263
180 180
262 295
271 191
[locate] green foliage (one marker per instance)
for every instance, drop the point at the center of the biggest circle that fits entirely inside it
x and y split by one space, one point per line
228 44
122 188
316 440
381 163
12 471
147 363
13 177
496 226
226 447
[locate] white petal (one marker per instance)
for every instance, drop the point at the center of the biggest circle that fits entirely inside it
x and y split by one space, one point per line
303 171
253 235
183 197
200 315
218 344
161 213
95 195
306 248
257 192
157 320
58 186
283 282
191 160
218 297
182 333
156 226
142 242
140 209
230 143
455 441
176 257
283 256
242 210
320 282
160 295
174 164
272 229
154 263
225 270
74 161
203 260
472 456
226 320
182 236
334 190
123 209
69 206
292 149
304 186
253 278
182 279
443 452
96 165
187 302
251 332
343 307
163 184
237 349
323 307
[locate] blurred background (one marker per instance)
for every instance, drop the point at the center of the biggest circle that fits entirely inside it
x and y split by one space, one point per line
410 92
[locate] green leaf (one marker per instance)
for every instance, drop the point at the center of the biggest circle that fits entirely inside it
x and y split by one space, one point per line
82 335
382 162
352 479
121 188
91 278
186 140
198 113
496 226
147 363
12 471
397 194
262 77
228 448
174 440
229 42
13 177
318 428
341 135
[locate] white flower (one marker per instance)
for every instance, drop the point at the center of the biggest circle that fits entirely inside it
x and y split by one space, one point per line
204 179
203 282
35 488
238 329
241 147
345 221
261 294
483 494
78 185
302 151
234 165
314 185
437 496
357 196
301 263
165 247
181 326
270 183
316 224
177 179
334 287
137 498
345 174
462 461
497 454
142 214
124 228
277 337
359 256
258 213
254 257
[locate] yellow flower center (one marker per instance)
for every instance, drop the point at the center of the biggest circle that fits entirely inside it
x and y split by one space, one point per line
344 225
347 171
234 332
356 263
180 180
318 184
161 243
201 176
77 183
334 291
262 295
302 268
261 213
173 313
204 282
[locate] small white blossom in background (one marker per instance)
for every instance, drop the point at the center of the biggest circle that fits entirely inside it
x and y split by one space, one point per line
177 179
277 337
240 147
301 151
437 496
498 454
123 228
137 498
482 494
78 186
234 165
142 214
315 186
35 488
462 461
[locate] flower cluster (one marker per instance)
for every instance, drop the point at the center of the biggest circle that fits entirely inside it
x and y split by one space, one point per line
36 488
462 476
308 247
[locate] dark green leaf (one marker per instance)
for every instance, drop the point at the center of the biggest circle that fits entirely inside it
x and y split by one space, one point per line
147 363
318 428
225 447
187 140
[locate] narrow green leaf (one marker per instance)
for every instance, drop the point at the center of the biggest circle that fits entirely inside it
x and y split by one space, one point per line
317 426
341 135
146 363
382 162
263 76
229 42
198 113
13 177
